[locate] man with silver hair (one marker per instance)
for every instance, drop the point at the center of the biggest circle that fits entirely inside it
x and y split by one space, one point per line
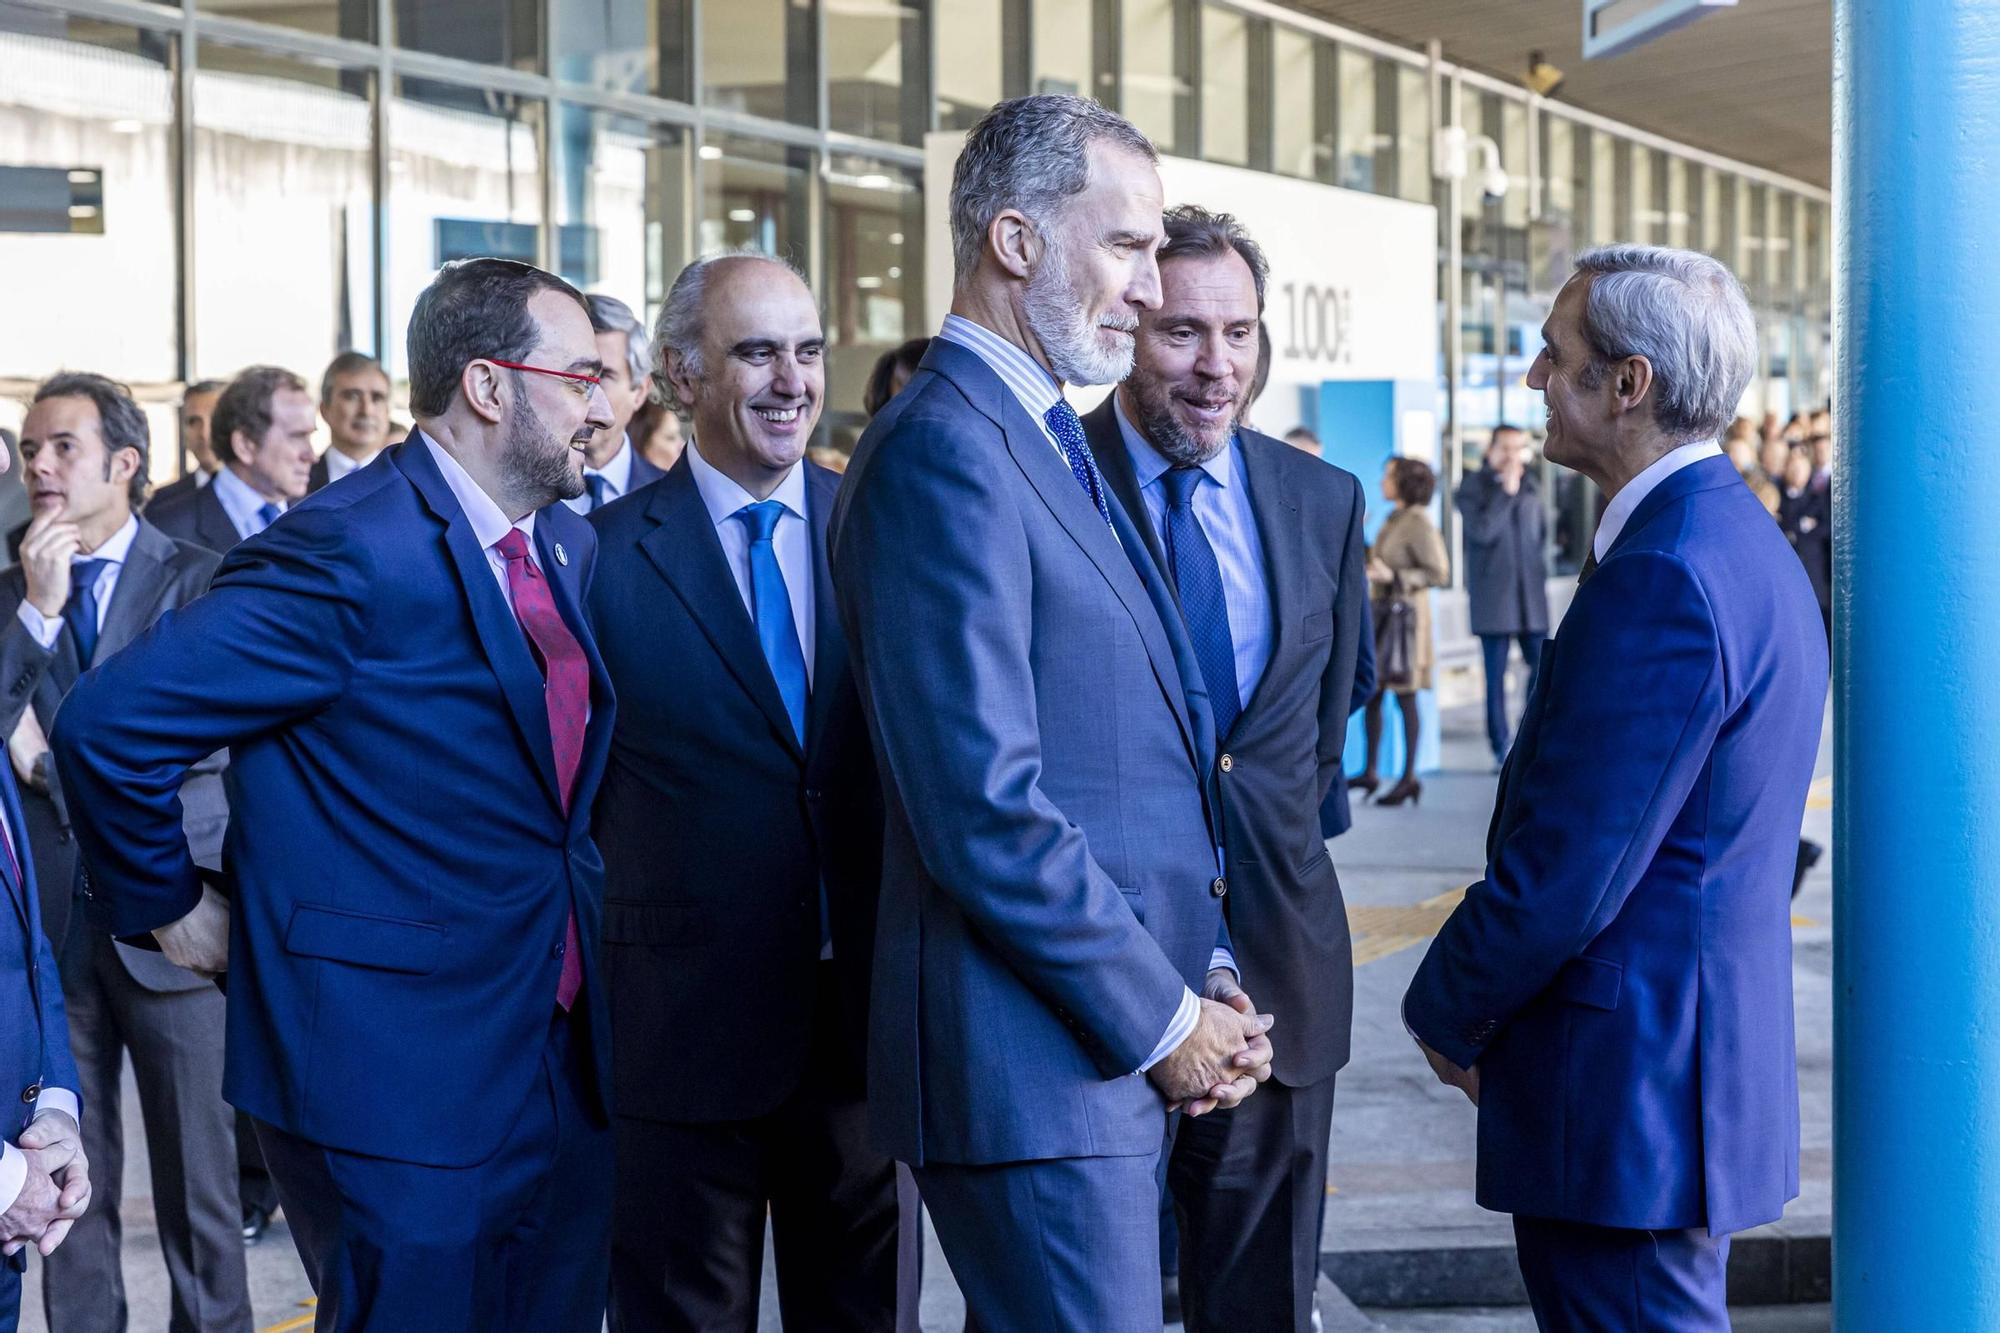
611 466
1051 889
1616 994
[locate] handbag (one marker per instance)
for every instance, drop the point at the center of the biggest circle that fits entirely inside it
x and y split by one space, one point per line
1395 641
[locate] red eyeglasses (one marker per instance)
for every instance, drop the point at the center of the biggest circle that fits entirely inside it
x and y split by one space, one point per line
588 382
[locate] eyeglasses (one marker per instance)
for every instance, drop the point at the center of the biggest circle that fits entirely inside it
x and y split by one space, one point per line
580 385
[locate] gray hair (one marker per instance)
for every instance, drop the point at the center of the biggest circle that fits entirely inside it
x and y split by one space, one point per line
679 325
1029 154
1687 315
608 314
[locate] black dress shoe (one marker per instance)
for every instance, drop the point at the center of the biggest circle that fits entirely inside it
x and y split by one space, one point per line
1809 855
256 1221
1170 1298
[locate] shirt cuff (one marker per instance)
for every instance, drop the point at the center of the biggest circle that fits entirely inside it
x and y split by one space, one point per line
59 1099
44 628
1225 960
1177 1032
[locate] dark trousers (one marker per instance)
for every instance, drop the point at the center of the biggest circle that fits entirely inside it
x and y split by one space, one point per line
175 1040
1249 1185
1052 1246
518 1243
255 1192
1493 648
10 1290
1588 1279
687 1240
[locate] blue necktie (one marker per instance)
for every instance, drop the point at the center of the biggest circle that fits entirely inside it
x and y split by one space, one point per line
594 483
1068 429
1198 579
80 612
267 514
771 608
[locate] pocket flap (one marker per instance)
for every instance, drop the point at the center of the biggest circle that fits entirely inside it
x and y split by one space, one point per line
1593 982
387 942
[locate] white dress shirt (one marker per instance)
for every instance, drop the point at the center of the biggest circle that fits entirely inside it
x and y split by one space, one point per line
241 503
791 539
1624 504
47 629
489 525
617 474
339 465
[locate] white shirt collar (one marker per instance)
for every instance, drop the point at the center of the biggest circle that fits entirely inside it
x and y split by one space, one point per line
115 548
1622 506
617 470
724 498
339 464
489 524
1149 463
239 499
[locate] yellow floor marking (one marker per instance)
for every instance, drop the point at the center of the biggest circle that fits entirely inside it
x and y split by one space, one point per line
1382 931
295 1323
1820 795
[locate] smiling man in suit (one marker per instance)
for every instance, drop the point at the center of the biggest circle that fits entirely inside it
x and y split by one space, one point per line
741 824
92 577
1263 548
1052 892
417 720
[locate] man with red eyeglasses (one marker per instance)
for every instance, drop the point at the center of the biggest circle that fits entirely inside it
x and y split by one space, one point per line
417 718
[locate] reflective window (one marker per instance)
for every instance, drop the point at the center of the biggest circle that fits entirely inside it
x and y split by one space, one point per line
756 194
1784 249
1559 167
1413 133
1302 117
873 277
465 179
1063 46
283 213
757 57
1513 141
621 205
1756 248
1677 203
1357 120
971 60
352 19
632 46
1605 227
1728 222
1647 216
1153 87
491 32
875 69
1225 85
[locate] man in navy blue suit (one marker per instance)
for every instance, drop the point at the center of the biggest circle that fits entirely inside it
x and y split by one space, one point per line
417 719
1616 994
1052 889
44 1174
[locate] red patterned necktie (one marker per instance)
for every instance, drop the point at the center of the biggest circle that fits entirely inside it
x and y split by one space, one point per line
566 676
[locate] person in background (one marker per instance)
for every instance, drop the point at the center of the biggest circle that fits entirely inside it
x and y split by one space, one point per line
197 410
1303 440
1821 444
826 456
892 371
657 434
1263 375
611 465
1805 515
1407 560
1506 569
93 576
264 439
354 401
1741 445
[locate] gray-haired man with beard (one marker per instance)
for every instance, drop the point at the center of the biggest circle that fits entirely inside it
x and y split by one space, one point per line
1051 888
1262 545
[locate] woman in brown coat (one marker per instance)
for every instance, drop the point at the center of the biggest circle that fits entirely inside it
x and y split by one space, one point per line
1408 558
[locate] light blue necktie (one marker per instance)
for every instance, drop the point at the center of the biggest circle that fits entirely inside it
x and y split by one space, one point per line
1198 578
771 608
594 483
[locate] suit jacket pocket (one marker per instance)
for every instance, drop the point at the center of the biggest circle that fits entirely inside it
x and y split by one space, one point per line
1136 900
1316 625
661 925
385 942
1591 982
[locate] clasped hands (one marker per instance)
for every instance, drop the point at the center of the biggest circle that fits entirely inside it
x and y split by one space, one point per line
1226 1056
57 1190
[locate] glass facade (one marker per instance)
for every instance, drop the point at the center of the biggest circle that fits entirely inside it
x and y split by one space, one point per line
248 180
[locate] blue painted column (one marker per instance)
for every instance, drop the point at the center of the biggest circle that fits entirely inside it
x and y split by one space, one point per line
1917 667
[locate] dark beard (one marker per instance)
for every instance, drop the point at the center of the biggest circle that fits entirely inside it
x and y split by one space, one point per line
536 466
1159 425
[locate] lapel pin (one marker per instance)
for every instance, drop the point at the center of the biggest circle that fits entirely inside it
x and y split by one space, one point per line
562 556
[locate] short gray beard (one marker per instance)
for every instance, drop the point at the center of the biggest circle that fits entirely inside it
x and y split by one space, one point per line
1164 430
1062 323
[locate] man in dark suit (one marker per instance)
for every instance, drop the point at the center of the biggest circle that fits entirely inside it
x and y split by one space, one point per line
197 410
1616 994
1263 548
1051 890
354 403
263 429
741 824
417 720
612 467
92 577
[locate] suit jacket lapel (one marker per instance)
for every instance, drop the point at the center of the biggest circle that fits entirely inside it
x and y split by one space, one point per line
685 549
142 583
1283 536
211 523
1107 442
829 643
564 574
500 634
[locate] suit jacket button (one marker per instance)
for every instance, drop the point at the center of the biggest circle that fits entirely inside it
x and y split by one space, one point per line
1218 888
29 1093
1227 763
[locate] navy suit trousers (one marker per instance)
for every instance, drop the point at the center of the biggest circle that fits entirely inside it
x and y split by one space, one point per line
520 1242
1589 1279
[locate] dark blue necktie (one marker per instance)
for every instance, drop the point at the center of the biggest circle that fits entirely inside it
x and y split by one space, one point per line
1068 430
771 608
1198 579
594 483
80 612
267 514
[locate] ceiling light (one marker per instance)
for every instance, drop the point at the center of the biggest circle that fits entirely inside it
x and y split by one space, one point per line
126 127
873 181
869 283
709 152
742 215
